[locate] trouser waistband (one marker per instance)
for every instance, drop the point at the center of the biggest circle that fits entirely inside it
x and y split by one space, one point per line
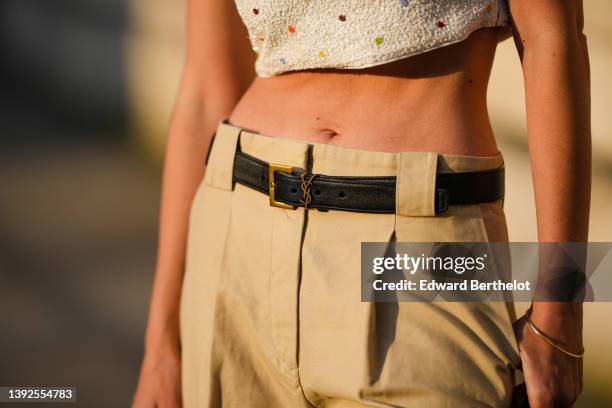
407 183
290 188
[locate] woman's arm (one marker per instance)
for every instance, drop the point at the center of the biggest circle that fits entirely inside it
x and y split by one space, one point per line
553 51
218 69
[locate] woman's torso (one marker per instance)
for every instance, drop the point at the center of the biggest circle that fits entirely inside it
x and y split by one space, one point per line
435 101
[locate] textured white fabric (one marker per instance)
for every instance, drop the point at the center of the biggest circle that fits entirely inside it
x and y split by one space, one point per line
299 34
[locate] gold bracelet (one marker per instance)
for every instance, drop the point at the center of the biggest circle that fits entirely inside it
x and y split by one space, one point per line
548 339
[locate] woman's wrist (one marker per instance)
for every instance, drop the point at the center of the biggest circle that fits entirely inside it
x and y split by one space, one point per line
557 311
161 353
561 321
162 340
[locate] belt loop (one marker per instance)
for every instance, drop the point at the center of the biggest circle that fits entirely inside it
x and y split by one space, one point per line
415 188
219 170
210 144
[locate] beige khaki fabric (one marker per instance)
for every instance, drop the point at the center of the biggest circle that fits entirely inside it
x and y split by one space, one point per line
271 312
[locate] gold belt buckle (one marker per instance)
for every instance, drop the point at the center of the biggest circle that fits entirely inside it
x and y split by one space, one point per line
272 169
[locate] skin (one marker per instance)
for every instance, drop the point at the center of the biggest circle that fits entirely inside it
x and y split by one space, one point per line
434 101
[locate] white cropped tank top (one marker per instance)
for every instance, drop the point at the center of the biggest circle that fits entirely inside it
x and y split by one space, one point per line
291 35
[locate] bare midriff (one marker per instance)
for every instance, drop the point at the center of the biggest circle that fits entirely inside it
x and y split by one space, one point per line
434 101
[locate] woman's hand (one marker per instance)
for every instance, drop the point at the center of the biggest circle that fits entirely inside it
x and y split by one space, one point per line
159 385
552 378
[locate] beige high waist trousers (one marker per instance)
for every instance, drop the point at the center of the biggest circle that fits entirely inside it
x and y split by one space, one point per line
271 312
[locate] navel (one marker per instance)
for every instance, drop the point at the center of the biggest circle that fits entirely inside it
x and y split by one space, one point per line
327 133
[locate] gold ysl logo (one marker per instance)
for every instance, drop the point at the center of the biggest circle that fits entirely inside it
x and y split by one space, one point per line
306 183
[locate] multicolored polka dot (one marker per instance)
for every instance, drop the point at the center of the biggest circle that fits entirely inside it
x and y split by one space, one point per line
485 13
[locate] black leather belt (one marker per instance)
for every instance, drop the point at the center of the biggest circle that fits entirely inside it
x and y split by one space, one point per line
289 188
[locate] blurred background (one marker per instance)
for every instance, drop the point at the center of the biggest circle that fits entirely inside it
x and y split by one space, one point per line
86 91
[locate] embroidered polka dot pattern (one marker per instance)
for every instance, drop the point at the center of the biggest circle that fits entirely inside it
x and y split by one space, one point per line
300 34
